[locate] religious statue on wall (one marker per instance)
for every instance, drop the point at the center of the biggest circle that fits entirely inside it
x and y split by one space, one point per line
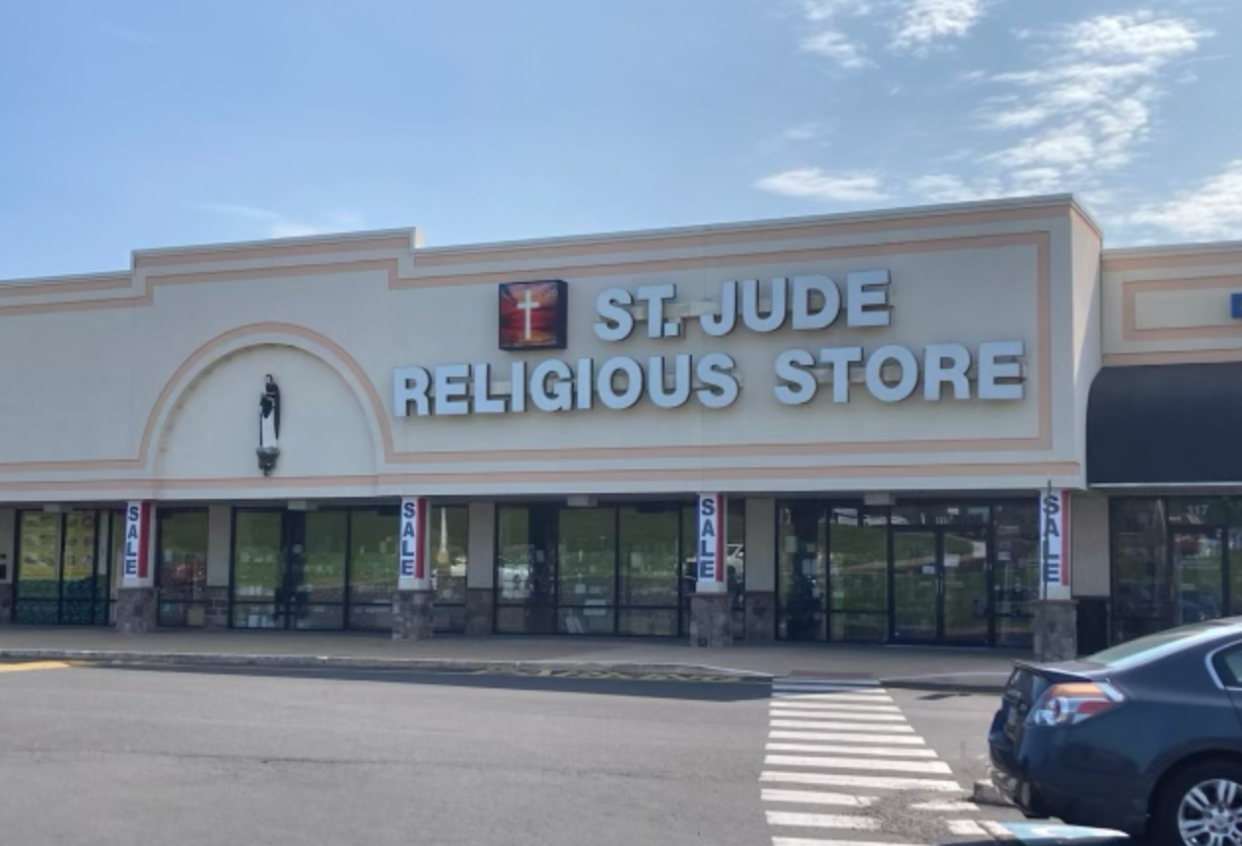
269 425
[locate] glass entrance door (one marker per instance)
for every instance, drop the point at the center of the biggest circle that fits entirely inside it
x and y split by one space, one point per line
289 569
964 598
940 585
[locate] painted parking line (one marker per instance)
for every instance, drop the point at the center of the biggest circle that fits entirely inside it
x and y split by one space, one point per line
34 665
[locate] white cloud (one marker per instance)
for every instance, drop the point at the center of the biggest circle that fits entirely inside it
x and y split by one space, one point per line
949 188
1211 211
1087 109
915 24
813 183
838 47
276 225
924 22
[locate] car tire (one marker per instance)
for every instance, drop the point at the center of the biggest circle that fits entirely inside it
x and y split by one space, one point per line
1165 824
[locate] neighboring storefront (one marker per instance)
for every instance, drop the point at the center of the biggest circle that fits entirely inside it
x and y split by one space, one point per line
838 429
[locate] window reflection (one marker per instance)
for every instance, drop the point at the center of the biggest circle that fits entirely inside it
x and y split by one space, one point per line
181 567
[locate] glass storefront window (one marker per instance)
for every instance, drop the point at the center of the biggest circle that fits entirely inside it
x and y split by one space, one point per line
587 558
802 575
1141 584
1198 558
62 569
858 574
38 573
450 533
257 568
526 558
1016 575
372 567
181 566
648 570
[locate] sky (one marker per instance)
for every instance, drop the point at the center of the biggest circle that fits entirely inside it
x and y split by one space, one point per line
137 124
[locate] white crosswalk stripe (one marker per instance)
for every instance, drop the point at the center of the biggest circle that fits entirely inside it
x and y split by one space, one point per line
871 764
946 807
843 749
837 737
966 828
844 744
883 699
807 797
842 726
802 704
845 715
827 688
869 782
822 821
804 841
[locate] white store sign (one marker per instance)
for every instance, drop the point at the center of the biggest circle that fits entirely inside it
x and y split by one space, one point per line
991 371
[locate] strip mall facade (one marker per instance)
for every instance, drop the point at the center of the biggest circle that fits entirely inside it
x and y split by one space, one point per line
849 428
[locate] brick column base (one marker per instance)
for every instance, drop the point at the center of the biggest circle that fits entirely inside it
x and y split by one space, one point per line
479 611
412 614
711 620
136 610
1055 626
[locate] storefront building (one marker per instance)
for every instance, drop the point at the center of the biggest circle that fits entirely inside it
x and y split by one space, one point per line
922 426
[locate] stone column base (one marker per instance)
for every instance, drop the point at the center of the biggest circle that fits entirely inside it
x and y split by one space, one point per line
760 617
711 620
136 610
413 614
1055 626
6 604
479 611
216 608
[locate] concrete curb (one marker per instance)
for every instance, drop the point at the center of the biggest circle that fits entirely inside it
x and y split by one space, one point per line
942 684
214 659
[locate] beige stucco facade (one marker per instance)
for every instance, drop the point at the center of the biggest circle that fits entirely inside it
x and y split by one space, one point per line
144 384
158 369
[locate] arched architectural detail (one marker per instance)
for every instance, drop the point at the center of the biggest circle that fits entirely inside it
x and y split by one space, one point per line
220 349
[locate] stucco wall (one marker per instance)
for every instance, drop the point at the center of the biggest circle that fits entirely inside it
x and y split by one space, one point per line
148 383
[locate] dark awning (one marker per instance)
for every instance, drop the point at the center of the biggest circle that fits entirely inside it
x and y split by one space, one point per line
1165 425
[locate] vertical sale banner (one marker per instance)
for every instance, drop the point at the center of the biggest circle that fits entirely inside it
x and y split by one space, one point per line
135 554
710 549
1054 549
412 544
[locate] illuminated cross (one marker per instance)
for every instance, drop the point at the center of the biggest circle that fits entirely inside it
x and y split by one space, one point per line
528 305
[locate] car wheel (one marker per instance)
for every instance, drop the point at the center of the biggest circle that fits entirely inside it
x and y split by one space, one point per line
1201 807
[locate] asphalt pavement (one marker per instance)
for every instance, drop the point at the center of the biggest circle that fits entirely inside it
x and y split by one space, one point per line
112 755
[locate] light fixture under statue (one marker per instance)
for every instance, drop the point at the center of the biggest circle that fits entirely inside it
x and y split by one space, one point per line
269 426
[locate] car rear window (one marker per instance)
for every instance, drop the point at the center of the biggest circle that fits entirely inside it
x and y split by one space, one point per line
1153 646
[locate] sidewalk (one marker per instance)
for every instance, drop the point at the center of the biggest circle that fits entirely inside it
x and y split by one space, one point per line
917 667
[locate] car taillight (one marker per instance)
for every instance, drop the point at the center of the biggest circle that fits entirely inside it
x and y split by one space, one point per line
1071 703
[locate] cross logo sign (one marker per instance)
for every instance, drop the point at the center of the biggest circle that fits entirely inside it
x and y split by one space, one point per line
533 315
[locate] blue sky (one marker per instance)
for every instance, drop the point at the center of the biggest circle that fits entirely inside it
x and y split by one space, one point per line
143 123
